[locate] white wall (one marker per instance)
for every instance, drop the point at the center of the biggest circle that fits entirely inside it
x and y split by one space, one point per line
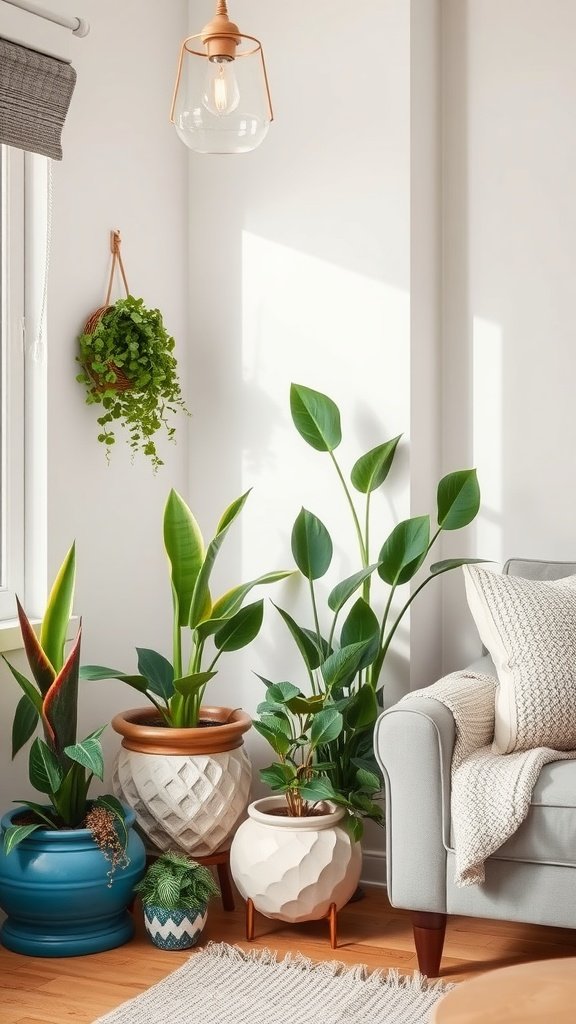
510 236
123 167
300 271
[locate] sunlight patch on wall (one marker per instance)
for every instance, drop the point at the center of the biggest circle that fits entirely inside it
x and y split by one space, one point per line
487 434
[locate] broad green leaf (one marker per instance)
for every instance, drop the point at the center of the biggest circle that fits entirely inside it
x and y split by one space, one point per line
318 789
311 545
26 686
70 799
316 418
353 826
88 753
232 600
241 629
326 726
343 591
320 643
341 667
362 709
201 593
278 776
404 551
139 683
278 741
60 707
458 499
306 705
25 721
157 670
185 549
209 626
189 685
41 669
453 563
281 693
278 723
307 647
58 611
371 469
368 807
15 834
361 624
368 782
44 769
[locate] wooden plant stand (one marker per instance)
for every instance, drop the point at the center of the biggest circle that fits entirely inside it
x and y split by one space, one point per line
331 917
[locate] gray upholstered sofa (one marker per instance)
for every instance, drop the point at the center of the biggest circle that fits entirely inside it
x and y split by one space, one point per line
532 878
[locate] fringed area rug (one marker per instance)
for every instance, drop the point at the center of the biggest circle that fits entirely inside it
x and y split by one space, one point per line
224 985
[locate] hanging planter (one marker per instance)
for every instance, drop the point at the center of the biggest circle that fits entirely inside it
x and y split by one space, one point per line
129 368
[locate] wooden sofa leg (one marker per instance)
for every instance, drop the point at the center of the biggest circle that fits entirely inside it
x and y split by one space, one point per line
429 931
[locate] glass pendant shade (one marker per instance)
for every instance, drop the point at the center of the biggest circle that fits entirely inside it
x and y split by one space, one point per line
221 98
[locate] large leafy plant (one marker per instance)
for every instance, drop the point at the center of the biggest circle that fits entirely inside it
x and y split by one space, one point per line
176 882
59 766
130 370
208 629
324 738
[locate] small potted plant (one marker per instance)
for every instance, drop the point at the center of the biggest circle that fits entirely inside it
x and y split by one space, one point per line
182 765
175 893
67 868
129 369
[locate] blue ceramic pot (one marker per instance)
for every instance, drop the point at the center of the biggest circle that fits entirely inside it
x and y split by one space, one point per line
174 929
55 889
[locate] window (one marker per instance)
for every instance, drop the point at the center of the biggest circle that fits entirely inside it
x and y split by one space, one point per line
12 267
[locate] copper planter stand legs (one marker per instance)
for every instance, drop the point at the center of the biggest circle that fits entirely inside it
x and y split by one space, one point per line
331 917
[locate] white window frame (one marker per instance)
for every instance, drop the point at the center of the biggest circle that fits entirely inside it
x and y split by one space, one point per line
12 577
25 228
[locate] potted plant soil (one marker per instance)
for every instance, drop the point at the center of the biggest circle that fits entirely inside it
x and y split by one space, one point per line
182 766
67 867
175 893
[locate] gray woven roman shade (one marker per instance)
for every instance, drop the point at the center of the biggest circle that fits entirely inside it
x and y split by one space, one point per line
35 93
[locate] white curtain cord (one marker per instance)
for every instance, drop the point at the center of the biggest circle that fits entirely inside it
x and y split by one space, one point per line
38 345
77 26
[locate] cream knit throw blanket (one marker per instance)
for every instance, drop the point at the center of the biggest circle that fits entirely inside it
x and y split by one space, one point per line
491 793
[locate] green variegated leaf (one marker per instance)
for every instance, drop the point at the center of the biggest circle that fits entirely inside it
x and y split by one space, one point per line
316 418
15 834
88 754
58 611
232 600
44 770
185 549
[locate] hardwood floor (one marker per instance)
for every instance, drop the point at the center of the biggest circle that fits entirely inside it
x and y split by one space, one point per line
80 989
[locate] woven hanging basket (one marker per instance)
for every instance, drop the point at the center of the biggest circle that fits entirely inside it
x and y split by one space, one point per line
122 382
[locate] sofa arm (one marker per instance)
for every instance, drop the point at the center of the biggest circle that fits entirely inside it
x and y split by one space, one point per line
413 742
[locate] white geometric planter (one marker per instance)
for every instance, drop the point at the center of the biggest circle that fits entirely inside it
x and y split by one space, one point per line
191 803
189 787
293 869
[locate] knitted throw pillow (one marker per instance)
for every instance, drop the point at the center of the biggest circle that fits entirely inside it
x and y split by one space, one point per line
529 628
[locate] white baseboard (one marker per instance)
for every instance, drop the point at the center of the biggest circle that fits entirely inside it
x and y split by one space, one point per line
373 867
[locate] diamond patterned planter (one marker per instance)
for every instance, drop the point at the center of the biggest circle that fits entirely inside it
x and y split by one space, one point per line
183 799
293 869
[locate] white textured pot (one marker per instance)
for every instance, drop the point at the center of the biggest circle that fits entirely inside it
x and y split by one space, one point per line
186 796
294 868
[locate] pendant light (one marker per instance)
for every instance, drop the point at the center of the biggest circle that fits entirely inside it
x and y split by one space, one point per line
221 101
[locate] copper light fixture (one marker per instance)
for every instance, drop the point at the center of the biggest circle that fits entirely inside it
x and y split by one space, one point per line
221 101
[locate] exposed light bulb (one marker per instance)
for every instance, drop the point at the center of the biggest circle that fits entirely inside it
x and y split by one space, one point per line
221 93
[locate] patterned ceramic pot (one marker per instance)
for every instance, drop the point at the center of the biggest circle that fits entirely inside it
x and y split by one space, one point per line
189 788
294 868
55 890
174 929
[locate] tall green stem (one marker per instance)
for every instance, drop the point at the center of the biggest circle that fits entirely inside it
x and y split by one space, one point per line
367 583
357 526
177 648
